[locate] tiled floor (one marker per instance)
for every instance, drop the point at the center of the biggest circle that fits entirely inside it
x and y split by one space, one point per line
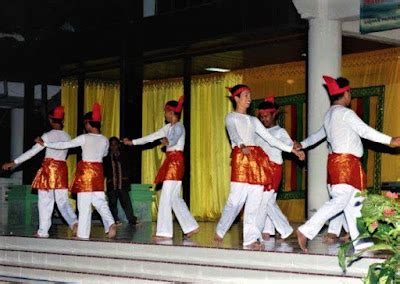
143 232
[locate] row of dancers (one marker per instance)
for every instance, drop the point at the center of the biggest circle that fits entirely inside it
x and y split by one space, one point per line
256 170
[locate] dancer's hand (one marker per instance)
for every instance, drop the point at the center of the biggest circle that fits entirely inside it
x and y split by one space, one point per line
299 154
245 150
127 142
164 141
297 145
39 140
395 141
8 166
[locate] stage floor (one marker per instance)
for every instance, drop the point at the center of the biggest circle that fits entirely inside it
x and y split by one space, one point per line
143 233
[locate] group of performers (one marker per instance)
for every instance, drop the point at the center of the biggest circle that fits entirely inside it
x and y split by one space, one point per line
256 170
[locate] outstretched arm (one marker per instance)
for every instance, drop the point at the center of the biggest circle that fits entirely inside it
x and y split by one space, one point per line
313 138
77 142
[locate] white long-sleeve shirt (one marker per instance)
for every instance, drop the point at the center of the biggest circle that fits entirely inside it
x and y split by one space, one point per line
174 133
243 129
344 129
51 136
275 154
94 146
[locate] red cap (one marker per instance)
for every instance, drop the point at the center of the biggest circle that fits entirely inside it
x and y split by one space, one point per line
238 91
96 112
58 113
178 108
333 87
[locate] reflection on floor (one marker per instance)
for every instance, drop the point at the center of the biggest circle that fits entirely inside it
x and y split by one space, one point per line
143 233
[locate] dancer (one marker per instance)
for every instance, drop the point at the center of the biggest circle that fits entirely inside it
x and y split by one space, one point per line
250 171
52 178
343 130
171 173
270 215
89 177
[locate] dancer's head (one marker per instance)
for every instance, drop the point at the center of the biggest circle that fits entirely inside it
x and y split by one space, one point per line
240 97
173 110
338 90
56 118
92 119
268 111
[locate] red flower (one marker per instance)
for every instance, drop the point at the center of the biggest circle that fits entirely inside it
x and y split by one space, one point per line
393 195
388 212
374 225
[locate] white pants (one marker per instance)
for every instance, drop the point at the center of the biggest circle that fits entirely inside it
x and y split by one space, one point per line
46 199
271 217
85 202
171 200
337 222
343 199
241 193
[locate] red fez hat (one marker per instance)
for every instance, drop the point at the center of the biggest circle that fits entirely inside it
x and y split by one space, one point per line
96 112
58 113
178 108
333 87
238 91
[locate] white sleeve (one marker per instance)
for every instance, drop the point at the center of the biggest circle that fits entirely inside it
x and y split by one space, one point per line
77 142
31 152
285 138
232 131
313 138
161 133
106 148
267 136
364 130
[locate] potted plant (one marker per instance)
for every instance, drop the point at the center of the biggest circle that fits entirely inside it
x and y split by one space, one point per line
379 221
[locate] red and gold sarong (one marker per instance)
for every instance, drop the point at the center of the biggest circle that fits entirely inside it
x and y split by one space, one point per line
347 169
276 175
253 168
89 177
53 174
173 167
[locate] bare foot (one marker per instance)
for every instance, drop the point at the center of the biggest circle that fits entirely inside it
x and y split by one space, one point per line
302 240
195 231
265 236
254 246
345 237
217 238
330 238
161 238
74 229
112 232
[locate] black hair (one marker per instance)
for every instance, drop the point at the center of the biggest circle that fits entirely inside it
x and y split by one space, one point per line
114 138
174 104
267 105
342 82
233 90
88 117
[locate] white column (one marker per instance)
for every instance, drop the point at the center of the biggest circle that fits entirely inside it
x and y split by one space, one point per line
324 58
17 137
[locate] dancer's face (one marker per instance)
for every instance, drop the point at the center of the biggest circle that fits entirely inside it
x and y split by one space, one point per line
168 114
243 100
267 119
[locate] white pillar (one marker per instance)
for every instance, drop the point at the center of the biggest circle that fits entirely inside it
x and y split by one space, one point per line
17 137
324 58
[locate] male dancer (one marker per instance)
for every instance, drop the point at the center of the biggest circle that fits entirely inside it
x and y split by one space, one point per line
171 173
89 177
270 215
250 171
343 130
52 178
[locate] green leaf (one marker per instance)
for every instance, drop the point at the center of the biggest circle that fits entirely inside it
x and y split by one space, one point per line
343 249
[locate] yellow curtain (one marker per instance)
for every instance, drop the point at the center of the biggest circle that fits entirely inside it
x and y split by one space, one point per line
69 99
380 68
108 96
155 95
210 148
